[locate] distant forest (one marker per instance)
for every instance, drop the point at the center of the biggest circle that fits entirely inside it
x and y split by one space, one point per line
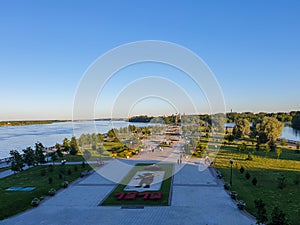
28 122
293 117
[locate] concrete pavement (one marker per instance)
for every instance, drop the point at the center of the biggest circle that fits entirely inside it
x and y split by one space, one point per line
197 198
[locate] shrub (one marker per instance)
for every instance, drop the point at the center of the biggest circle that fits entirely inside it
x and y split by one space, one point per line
242 170
261 212
281 182
75 168
226 186
254 181
233 195
241 205
60 176
50 180
283 142
278 217
52 192
43 172
35 202
65 184
69 172
247 176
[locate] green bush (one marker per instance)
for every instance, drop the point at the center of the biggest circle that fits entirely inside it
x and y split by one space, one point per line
233 195
35 202
247 175
278 217
254 181
65 184
241 205
50 180
281 182
226 186
52 192
242 170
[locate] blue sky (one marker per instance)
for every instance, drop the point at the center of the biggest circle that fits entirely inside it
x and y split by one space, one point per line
252 47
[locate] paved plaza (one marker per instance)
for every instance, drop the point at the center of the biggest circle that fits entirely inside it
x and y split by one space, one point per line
197 198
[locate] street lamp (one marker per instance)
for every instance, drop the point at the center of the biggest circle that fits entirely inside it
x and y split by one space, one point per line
63 163
231 162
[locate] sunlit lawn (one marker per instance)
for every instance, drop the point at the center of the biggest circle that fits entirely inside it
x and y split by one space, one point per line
266 169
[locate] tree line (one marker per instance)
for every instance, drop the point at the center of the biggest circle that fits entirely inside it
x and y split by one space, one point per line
37 155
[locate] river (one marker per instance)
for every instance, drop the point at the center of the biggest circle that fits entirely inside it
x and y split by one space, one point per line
20 137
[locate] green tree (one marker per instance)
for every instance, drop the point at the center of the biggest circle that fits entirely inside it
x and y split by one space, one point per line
111 134
278 217
87 154
278 152
100 137
242 147
267 149
269 129
242 126
58 150
218 122
66 145
82 141
28 156
17 162
283 142
74 149
53 156
296 121
132 128
39 153
229 138
261 212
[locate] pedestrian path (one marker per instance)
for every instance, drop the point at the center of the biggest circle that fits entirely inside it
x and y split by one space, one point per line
197 198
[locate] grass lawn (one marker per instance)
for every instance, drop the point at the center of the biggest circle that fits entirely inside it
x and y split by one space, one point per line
266 169
165 188
13 202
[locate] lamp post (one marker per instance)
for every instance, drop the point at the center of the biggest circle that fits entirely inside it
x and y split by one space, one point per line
231 162
63 163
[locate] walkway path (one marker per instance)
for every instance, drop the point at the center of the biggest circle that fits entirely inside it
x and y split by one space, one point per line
197 198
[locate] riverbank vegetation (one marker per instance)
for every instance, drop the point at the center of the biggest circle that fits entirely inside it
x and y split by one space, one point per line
29 122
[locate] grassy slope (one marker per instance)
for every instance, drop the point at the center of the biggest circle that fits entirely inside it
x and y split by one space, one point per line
14 202
266 169
165 189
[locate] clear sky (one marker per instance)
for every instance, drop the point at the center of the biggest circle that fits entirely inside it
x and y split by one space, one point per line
252 47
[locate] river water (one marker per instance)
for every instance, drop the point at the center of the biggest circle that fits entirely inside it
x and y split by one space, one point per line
20 137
